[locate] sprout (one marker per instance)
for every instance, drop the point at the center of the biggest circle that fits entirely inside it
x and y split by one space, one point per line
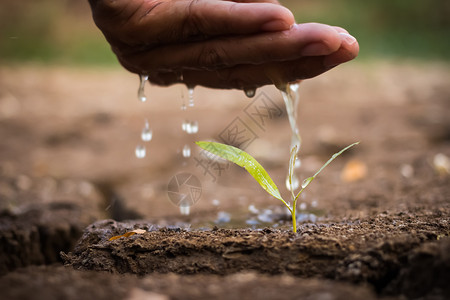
254 168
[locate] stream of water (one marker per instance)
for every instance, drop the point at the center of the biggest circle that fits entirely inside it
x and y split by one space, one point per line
291 98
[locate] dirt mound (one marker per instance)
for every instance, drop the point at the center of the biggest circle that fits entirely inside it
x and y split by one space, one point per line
359 251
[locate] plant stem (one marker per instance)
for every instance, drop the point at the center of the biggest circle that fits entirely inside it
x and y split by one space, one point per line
294 221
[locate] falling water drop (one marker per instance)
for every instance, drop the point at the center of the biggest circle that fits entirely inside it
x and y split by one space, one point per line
186 151
192 128
185 125
185 210
249 92
140 151
141 91
191 96
183 101
147 133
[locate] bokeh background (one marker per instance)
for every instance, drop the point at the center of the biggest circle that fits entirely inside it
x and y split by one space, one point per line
70 120
61 31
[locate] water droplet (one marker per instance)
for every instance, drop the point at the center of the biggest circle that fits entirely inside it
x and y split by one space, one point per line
407 171
222 217
252 208
147 133
249 92
441 164
186 151
141 91
295 182
190 127
266 216
294 87
191 96
185 210
252 222
140 151
183 102
306 182
185 125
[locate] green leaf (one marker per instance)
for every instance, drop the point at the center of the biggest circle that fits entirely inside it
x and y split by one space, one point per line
245 160
333 158
308 180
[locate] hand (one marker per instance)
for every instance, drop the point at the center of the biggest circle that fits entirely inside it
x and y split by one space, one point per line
218 43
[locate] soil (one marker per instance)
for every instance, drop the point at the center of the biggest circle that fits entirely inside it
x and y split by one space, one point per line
373 225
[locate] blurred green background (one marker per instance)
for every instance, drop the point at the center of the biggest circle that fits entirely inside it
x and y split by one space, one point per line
62 31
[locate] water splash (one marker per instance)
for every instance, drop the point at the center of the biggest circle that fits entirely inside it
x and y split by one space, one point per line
147 133
140 151
141 91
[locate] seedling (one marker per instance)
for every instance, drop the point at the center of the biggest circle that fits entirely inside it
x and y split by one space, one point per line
245 160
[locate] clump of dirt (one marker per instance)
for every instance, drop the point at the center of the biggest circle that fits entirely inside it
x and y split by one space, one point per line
382 251
37 235
41 217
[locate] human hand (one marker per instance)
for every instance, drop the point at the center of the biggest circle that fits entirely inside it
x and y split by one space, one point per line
217 43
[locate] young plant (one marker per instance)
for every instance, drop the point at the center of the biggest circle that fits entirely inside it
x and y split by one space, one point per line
254 168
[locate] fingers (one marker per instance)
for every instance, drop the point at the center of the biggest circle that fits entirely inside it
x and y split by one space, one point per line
154 22
247 76
349 50
301 40
253 76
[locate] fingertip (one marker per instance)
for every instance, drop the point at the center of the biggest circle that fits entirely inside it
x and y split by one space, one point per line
279 19
320 33
275 25
344 54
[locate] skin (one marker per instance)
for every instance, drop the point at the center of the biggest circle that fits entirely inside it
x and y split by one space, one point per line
219 43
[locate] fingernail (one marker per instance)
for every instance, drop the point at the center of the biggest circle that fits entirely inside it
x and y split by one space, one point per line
315 49
345 37
277 25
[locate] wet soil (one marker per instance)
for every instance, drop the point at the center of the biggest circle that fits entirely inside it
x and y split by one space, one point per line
69 182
